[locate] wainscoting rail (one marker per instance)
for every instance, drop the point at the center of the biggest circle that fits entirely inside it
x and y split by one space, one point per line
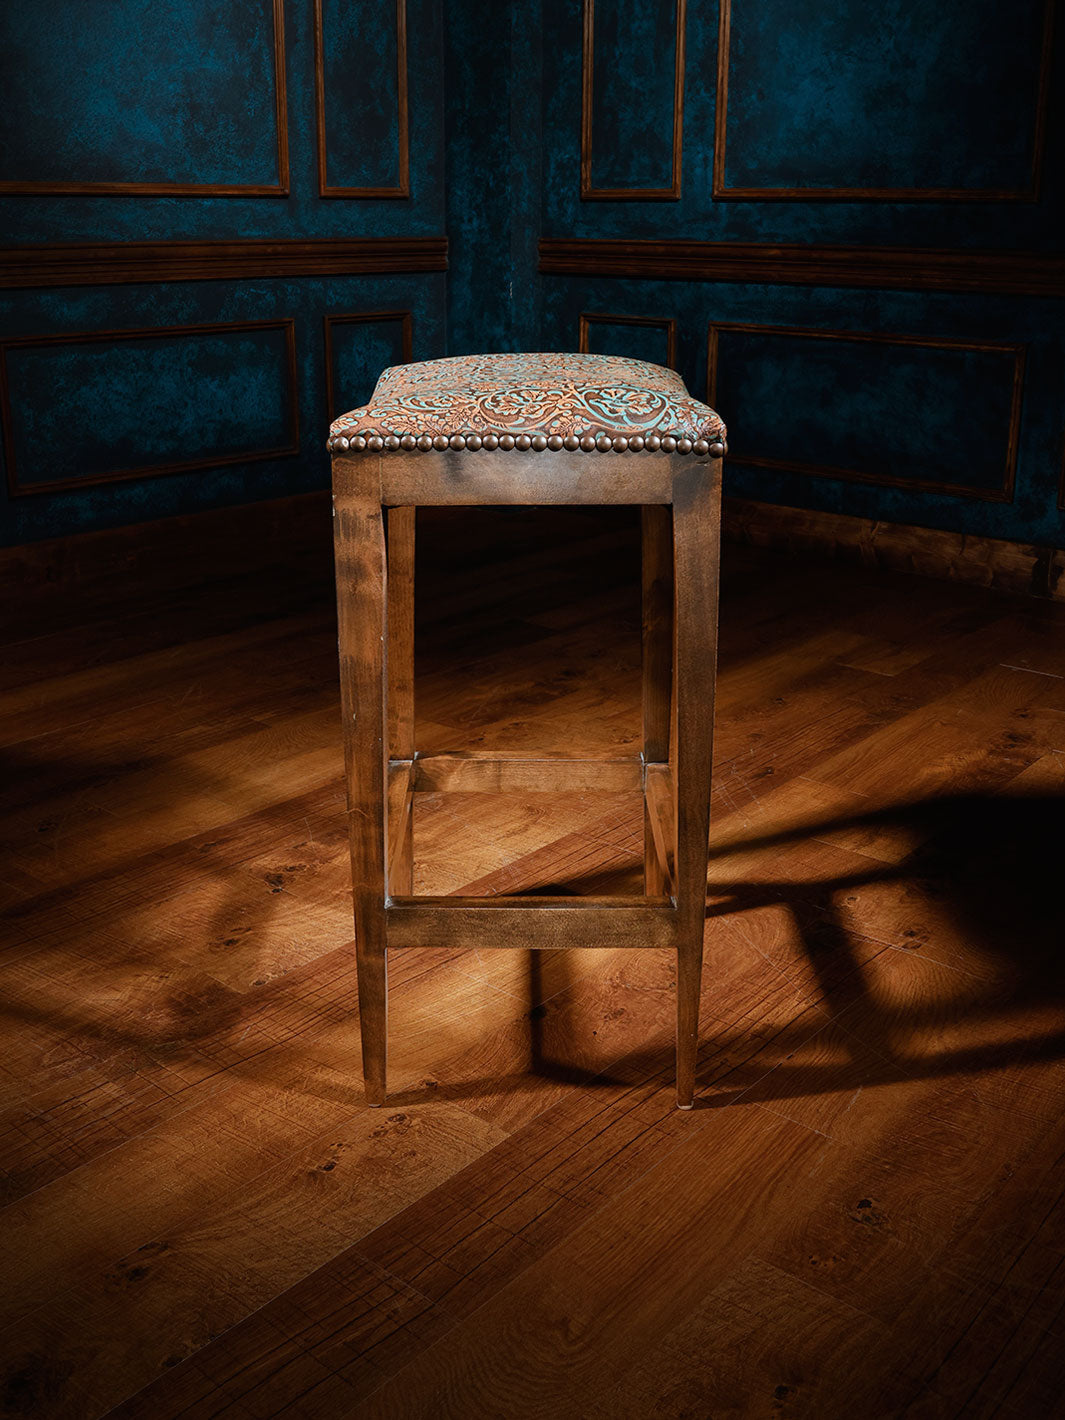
1017 273
119 263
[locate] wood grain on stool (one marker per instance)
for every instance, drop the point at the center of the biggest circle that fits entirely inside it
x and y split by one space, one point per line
680 553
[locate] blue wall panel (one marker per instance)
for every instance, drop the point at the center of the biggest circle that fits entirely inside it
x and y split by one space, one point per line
363 97
186 93
631 103
305 301
806 413
359 349
119 405
896 95
176 91
908 124
875 408
303 213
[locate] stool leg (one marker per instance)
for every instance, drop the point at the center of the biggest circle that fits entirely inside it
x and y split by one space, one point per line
401 673
361 584
657 567
696 543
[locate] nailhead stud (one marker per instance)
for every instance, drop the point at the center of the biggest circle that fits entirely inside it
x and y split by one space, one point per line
669 443
457 441
491 441
653 442
539 442
684 446
358 443
425 443
375 442
473 441
408 442
440 441
523 442
391 441
717 450
636 443
700 447
571 442
555 441
587 443
621 443
506 441
604 443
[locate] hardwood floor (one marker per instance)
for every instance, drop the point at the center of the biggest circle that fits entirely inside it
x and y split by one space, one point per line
863 1216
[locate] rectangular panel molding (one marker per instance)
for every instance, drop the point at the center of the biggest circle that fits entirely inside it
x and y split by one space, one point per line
898 438
1027 191
1015 273
666 324
55 429
276 187
330 323
361 67
643 65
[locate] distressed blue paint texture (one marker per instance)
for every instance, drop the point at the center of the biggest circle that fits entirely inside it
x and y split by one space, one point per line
640 342
927 431
361 88
906 93
361 350
171 91
36 313
493 57
854 405
240 116
129 404
895 94
632 109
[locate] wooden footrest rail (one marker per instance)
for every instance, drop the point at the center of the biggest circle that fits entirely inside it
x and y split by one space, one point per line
419 921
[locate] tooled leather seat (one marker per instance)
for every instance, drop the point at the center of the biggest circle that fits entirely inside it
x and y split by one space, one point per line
531 401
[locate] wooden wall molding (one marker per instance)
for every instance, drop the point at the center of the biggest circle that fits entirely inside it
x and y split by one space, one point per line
1024 568
119 263
360 318
1012 273
1028 193
589 192
666 323
402 188
19 489
1002 494
190 189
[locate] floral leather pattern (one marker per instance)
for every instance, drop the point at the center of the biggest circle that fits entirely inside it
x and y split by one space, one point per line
553 395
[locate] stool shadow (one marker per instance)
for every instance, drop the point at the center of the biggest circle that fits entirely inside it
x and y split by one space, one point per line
992 864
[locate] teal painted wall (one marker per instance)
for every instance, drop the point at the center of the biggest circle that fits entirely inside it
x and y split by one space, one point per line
908 124
185 92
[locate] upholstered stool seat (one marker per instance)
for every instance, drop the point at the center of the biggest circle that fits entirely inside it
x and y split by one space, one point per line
540 401
551 428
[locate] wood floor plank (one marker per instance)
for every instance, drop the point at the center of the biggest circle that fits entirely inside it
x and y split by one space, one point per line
863 1214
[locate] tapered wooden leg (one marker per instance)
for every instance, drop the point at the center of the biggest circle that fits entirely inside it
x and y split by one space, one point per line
401 523
696 545
361 581
657 561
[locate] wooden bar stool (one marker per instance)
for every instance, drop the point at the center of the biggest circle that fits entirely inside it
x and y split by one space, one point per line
527 429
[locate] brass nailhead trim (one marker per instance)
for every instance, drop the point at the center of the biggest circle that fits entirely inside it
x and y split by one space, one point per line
599 443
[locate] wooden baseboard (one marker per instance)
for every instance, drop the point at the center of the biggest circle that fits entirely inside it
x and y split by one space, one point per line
65 579
900 547
71 578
